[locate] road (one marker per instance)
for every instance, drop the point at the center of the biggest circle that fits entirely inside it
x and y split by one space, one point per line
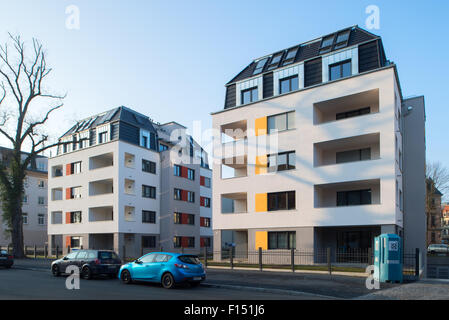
40 284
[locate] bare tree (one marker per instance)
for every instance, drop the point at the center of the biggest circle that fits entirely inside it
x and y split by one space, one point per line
22 75
439 174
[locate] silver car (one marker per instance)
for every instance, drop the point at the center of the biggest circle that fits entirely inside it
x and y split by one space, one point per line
438 248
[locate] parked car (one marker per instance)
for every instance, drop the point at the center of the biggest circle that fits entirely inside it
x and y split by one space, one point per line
438 248
90 263
6 260
166 268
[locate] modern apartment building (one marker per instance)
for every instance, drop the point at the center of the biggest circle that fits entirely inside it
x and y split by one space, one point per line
34 207
312 143
120 181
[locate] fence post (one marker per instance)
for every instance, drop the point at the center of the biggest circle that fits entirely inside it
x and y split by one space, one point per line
260 258
205 257
293 259
417 263
57 249
329 265
231 257
35 252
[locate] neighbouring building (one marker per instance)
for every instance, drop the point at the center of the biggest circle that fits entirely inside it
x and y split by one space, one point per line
124 182
434 213
445 222
333 108
34 207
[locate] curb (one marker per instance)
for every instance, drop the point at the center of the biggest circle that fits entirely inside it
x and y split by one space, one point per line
268 290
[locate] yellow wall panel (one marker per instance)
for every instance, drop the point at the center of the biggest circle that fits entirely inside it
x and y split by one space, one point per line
262 240
261 164
261 202
261 126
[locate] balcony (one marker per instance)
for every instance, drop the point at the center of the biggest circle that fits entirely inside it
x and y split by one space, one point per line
101 187
339 109
101 214
57 171
346 194
129 187
101 161
56 194
358 148
234 203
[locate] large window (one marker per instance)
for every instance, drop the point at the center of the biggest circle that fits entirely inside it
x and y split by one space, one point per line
290 57
259 66
353 155
148 166
354 197
75 167
250 95
148 242
281 161
281 201
340 70
178 194
281 122
75 217
148 216
190 196
177 170
282 240
288 84
190 174
353 113
103 137
275 61
148 192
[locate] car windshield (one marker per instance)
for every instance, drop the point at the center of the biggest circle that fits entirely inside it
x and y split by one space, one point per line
189 259
107 255
3 252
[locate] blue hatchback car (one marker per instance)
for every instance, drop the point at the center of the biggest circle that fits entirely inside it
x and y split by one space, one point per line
166 268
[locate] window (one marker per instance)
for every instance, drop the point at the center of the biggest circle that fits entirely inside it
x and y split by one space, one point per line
162 147
206 182
75 167
190 196
326 44
282 240
205 222
41 184
178 194
75 217
288 84
144 142
177 242
282 161
75 242
148 166
340 70
342 40
281 122
290 57
190 174
25 218
41 219
75 193
353 155
207 202
148 242
275 61
190 219
148 216
353 198
25 198
281 201
41 200
250 95
103 137
353 113
177 170
148 192
177 218
259 66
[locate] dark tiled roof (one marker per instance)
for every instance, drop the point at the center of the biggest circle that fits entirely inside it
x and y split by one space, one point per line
117 114
308 50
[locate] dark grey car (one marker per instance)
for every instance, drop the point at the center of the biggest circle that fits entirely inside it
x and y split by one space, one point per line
6 260
90 263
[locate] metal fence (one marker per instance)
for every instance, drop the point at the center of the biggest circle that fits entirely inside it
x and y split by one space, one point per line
37 251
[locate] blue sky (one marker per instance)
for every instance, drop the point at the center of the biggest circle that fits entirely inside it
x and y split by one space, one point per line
171 59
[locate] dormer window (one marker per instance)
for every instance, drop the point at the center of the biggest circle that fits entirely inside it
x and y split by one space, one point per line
340 70
259 66
250 95
326 44
291 55
275 61
342 39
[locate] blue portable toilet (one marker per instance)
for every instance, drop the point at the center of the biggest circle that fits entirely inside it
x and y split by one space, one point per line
388 258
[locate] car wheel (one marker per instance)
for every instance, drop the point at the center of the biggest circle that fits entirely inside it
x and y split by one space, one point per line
86 273
55 270
126 277
167 281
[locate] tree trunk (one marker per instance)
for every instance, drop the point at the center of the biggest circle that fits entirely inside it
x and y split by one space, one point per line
17 232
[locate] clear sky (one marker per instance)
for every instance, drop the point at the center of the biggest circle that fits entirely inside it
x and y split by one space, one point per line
171 59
